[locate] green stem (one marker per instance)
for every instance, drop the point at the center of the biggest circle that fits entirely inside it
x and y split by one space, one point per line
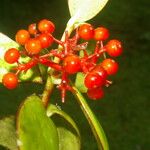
47 91
93 121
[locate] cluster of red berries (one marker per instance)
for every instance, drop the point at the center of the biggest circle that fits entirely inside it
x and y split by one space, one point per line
39 37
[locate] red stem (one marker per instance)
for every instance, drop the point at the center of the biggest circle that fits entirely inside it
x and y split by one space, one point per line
27 66
51 64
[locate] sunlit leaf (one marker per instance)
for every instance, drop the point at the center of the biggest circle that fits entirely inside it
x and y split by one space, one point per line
83 10
35 130
6 43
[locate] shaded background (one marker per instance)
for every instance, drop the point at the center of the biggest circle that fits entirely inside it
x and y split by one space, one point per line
124 112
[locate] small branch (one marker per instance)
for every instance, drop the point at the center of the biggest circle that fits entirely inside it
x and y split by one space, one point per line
49 84
47 91
50 63
104 54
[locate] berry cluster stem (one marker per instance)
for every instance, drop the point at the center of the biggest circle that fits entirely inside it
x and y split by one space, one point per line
47 91
93 121
69 30
49 84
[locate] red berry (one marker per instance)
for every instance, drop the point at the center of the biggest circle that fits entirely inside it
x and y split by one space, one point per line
96 93
22 36
10 80
46 26
12 55
45 39
114 48
101 34
72 64
32 29
33 46
86 31
110 66
95 78
101 71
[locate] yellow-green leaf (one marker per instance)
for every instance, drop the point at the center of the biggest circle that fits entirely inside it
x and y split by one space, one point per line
36 131
6 43
79 82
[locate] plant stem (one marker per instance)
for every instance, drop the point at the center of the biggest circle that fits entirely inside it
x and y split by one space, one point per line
49 84
47 91
93 121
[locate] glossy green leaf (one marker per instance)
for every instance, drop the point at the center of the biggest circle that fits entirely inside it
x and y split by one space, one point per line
93 121
69 135
36 131
83 10
8 136
56 110
79 82
6 43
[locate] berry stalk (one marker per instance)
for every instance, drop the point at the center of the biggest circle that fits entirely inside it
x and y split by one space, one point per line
47 91
49 84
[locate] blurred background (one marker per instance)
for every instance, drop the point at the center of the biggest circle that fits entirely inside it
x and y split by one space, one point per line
125 111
